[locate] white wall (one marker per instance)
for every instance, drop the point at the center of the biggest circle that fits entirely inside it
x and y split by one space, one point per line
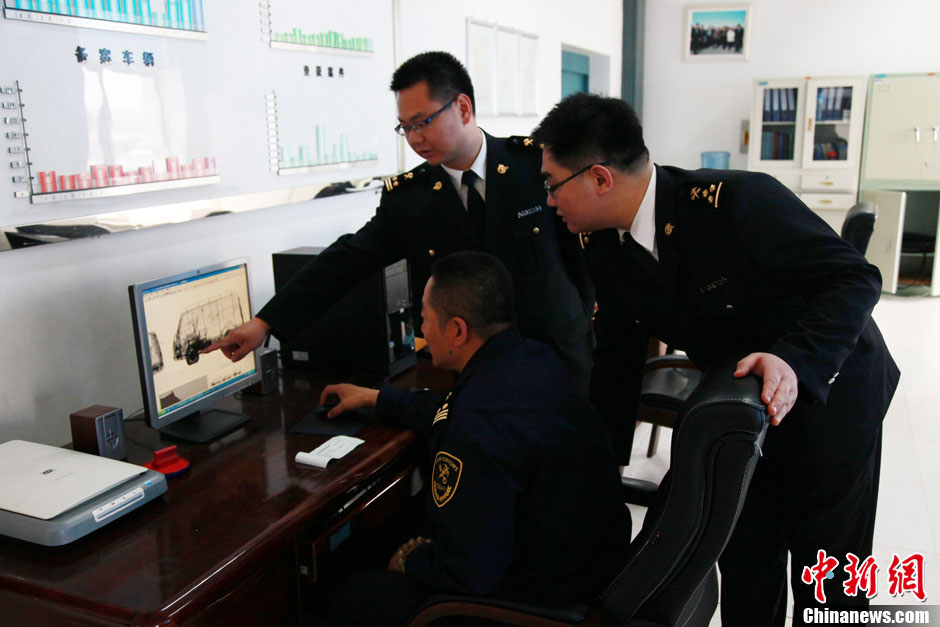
65 328
690 107
592 25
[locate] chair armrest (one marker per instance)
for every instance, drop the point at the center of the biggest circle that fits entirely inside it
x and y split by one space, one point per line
668 361
638 491
512 611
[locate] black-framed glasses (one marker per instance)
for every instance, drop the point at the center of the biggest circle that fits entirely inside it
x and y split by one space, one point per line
401 129
551 189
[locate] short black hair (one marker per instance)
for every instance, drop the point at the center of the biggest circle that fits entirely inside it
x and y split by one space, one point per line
446 77
586 128
474 286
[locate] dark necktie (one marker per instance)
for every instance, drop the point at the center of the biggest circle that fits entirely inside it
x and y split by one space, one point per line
475 206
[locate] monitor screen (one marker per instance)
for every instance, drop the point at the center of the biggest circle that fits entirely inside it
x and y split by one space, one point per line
175 317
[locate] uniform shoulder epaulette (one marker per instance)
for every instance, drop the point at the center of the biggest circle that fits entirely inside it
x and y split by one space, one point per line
392 182
698 193
518 143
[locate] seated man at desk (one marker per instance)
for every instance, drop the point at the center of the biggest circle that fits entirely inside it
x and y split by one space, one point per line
524 498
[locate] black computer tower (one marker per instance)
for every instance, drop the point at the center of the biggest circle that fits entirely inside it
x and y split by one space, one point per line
370 331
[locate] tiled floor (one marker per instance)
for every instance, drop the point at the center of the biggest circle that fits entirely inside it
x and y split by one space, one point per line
909 502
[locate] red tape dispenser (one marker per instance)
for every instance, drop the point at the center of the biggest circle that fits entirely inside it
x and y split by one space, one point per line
168 462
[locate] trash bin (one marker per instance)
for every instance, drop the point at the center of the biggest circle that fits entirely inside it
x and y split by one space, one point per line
716 159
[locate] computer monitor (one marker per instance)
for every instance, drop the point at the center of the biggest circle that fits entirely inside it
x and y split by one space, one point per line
174 318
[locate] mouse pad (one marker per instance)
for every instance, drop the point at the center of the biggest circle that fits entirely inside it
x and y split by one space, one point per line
346 424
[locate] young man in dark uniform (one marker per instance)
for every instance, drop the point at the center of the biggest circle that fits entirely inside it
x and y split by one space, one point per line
732 263
525 498
474 192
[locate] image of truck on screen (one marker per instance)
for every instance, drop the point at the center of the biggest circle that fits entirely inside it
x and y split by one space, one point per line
205 323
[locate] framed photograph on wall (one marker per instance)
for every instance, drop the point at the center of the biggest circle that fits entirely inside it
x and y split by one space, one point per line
717 33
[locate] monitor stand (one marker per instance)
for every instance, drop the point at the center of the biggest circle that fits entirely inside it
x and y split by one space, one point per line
204 426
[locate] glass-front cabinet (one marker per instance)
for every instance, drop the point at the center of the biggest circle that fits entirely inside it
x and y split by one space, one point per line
835 112
807 133
775 122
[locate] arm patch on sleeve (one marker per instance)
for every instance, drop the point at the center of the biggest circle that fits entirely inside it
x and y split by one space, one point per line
446 476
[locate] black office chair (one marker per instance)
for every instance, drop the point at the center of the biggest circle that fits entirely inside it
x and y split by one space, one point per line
858 225
668 577
668 381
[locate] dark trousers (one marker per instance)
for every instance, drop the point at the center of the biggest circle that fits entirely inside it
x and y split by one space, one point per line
376 598
799 503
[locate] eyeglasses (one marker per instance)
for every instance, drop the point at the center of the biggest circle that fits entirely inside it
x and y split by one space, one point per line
417 127
551 189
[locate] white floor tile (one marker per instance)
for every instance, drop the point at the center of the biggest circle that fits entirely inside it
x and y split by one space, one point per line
902 518
929 463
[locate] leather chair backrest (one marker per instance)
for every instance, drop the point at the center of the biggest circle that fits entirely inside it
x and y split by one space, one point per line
715 446
858 225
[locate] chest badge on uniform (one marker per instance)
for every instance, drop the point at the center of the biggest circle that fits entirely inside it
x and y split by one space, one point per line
446 476
502 169
437 186
714 285
669 228
528 212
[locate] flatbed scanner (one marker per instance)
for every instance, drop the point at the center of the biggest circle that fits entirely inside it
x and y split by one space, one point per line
53 496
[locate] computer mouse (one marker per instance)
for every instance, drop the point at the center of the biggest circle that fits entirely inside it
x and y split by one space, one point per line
321 411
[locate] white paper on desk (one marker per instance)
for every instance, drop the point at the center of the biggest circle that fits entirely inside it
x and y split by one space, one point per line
334 448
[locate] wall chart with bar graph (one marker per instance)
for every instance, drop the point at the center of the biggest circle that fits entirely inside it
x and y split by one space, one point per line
173 18
97 120
332 118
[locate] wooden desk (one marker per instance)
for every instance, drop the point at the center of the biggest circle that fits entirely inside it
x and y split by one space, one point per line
219 547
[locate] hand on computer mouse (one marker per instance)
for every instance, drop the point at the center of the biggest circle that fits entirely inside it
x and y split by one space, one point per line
351 397
323 410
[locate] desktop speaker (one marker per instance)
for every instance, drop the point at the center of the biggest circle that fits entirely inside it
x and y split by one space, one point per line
369 331
267 362
99 430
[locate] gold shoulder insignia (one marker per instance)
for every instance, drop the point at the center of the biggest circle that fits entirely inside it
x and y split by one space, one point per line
518 143
446 476
444 408
705 193
392 182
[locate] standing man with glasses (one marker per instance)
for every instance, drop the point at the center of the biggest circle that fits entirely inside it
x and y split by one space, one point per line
473 192
722 263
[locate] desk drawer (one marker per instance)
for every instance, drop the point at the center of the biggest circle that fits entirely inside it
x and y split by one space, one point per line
828 202
833 181
321 550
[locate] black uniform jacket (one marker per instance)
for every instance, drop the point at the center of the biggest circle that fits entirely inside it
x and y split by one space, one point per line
745 266
422 218
524 493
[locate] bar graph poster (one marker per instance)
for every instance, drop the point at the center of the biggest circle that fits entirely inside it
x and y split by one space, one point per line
175 18
130 123
318 26
97 122
338 113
